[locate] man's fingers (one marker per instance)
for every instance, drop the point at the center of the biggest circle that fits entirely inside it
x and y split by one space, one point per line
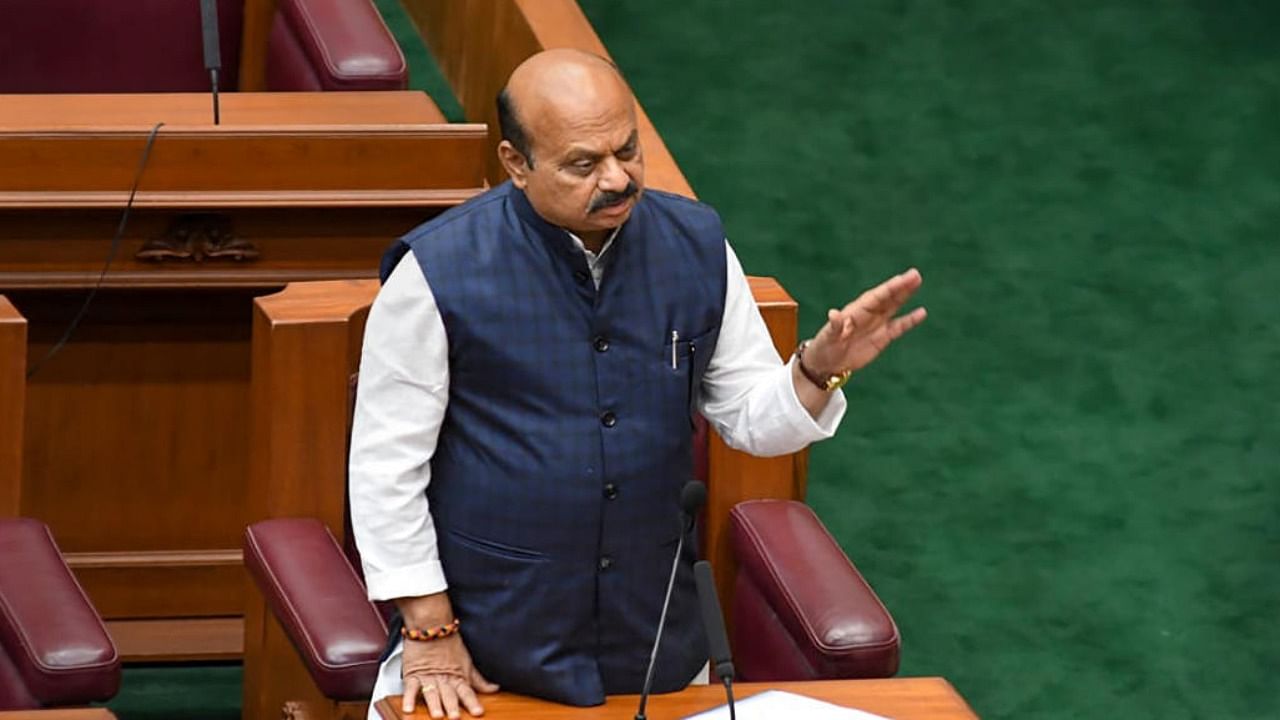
902 325
449 699
431 693
875 307
410 697
468 698
897 290
905 285
479 682
875 299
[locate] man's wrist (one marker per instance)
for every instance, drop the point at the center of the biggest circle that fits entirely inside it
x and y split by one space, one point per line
824 381
432 610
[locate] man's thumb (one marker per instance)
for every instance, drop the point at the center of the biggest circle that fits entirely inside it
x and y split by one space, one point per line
478 682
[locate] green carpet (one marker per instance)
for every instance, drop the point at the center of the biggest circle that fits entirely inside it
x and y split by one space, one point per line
179 692
1064 486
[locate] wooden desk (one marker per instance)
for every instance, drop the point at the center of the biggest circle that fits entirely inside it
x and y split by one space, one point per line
43 112
59 714
898 698
135 437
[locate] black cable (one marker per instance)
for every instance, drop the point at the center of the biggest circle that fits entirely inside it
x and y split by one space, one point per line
111 256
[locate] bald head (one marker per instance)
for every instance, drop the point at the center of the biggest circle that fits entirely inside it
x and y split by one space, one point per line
570 141
554 87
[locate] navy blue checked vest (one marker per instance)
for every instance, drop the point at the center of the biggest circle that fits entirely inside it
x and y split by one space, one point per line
556 480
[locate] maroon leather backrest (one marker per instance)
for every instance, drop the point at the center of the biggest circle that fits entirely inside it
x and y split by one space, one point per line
86 46
333 45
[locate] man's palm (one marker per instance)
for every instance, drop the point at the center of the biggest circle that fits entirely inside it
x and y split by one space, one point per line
857 333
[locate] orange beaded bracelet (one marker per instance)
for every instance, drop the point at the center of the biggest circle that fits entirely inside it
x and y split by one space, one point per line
434 633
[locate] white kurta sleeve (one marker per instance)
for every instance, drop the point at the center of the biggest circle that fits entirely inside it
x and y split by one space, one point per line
747 391
400 405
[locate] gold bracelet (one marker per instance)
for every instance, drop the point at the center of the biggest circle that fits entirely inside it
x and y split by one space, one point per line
829 383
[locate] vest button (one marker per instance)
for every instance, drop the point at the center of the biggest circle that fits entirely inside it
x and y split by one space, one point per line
610 491
608 419
581 276
601 343
606 562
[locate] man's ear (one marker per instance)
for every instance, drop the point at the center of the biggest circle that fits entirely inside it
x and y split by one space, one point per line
515 163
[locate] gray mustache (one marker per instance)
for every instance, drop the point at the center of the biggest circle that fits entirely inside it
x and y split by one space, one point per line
610 199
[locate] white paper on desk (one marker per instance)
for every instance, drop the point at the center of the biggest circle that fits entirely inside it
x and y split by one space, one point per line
774 704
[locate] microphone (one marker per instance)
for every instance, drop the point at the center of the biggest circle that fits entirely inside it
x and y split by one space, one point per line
212 51
713 620
692 496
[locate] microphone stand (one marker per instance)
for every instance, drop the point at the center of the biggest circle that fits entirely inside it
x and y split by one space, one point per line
692 496
662 622
213 79
212 50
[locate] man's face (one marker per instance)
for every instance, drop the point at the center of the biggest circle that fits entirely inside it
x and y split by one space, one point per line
588 170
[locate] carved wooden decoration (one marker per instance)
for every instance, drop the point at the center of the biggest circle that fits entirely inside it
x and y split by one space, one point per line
197 238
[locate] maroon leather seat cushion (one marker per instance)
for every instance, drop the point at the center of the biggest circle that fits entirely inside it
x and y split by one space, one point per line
801 609
50 632
315 595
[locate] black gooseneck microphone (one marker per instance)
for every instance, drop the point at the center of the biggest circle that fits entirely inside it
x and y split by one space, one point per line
713 620
692 496
212 52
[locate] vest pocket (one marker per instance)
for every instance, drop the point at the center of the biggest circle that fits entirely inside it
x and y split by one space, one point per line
493 547
501 594
684 360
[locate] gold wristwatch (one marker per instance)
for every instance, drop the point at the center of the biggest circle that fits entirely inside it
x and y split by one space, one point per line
826 383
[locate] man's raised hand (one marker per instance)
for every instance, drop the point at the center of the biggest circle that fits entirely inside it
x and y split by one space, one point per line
855 334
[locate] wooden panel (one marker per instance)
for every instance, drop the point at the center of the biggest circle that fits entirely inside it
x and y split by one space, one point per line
13 393
300 418
479 42
323 243
899 698
44 112
143 418
172 640
254 36
207 167
189 583
60 714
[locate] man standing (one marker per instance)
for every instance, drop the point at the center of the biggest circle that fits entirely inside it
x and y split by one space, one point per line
522 427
